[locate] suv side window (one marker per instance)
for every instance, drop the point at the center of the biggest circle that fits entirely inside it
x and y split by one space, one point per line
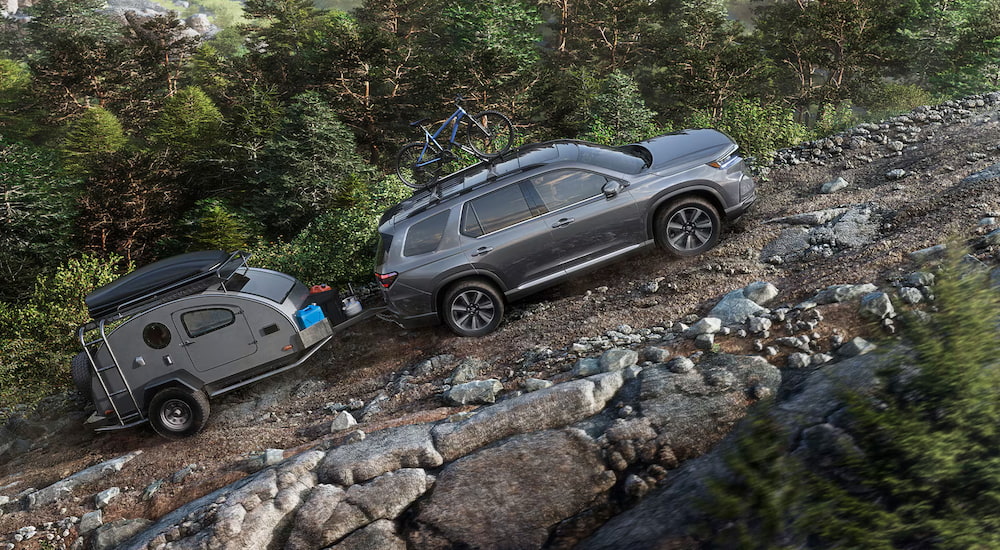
494 211
565 187
425 235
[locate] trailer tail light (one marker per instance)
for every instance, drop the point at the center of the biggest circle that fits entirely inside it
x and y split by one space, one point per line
386 279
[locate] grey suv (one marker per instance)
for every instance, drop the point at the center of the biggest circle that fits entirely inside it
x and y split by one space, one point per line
505 228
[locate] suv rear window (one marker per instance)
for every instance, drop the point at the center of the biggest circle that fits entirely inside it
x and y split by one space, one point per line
425 235
494 211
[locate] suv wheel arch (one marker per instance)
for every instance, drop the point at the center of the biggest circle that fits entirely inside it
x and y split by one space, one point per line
706 194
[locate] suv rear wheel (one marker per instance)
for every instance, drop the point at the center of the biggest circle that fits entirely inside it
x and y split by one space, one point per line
472 308
687 227
178 412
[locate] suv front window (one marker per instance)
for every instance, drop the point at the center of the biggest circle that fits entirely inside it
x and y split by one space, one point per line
494 211
565 187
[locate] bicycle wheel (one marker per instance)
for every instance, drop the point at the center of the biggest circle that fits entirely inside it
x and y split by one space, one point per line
490 133
417 166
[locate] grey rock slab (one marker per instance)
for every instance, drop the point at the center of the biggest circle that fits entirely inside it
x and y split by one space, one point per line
693 410
586 366
910 295
618 359
798 360
877 306
330 514
379 535
656 354
992 238
468 369
708 325
834 186
555 407
535 384
112 535
90 521
735 308
667 516
920 279
477 392
843 293
991 173
513 494
380 452
342 421
818 217
855 228
896 174
64 488
856 346
760 292
929 253
790 242
105 497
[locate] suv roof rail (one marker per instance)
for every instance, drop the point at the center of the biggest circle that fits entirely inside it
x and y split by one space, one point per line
164 280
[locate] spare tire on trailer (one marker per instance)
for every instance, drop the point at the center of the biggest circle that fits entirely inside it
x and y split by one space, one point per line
82 373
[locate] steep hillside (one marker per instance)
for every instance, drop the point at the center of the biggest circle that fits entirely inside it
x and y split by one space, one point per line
908 184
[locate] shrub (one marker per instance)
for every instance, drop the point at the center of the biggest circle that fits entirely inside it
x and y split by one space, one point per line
338 246
38 339
759 129
90 138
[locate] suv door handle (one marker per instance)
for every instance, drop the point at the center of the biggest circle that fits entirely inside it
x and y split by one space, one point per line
481 251
563 222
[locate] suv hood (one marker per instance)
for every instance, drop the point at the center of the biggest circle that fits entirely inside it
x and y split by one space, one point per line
687 147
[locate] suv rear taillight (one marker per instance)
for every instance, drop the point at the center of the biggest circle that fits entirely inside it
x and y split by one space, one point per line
386 279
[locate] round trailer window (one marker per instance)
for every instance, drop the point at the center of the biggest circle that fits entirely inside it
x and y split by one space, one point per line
156 335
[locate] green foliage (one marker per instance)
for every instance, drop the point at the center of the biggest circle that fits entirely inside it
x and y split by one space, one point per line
130 203
834 117
698 58
17 116
308 167
750 507
620 115
189 124
890 99
38 338
215 226
90 138
37 218
759 129
331 248
931 442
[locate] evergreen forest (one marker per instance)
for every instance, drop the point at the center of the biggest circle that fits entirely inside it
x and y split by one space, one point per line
124 140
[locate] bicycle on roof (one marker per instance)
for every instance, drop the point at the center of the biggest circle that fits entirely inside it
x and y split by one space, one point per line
421 163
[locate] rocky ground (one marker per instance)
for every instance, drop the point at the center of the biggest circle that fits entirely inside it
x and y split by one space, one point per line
849 210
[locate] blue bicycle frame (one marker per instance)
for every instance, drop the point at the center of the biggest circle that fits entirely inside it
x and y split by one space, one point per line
455 120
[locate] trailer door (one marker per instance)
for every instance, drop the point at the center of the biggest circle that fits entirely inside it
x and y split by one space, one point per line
214 335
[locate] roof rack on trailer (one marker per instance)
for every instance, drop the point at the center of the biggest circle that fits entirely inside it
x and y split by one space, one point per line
164 280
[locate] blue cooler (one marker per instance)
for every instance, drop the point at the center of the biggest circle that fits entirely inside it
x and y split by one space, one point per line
308 316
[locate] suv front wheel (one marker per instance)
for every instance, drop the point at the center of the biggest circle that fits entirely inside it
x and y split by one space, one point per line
687 227
472 308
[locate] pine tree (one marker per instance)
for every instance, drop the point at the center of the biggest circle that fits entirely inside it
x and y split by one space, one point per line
189 125
91 137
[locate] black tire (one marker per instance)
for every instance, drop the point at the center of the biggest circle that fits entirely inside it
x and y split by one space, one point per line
497 137
178 412
472 308
687 227
415 176
83 375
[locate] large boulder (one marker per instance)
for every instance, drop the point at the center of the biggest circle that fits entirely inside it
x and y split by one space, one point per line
511 495
380 452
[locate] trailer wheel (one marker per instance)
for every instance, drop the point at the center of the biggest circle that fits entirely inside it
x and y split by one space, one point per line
178 412
82 373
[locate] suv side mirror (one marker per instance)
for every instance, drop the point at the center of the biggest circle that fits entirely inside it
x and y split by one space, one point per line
612 188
